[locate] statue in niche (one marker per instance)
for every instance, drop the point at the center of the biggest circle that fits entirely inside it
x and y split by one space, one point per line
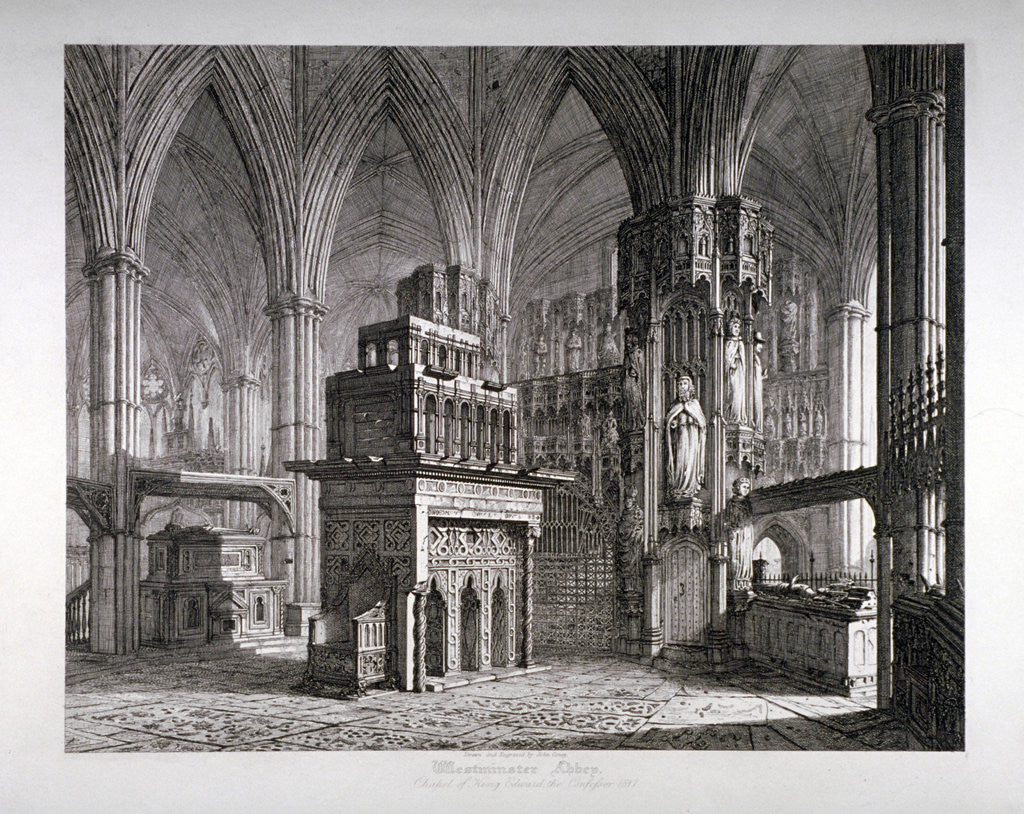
524 359
178 423
804 421
741 542
789 342
610 431
685 430
585 425
574 353
736 375
540 356
819 420
633 401
759 377
631 543
787 422
609 350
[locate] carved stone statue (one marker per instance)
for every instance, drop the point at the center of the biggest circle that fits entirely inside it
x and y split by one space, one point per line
574 355
631 543
736 375
819 420
789 343
741 541
685 431
609 350
759 377
633 401
585 425
540 357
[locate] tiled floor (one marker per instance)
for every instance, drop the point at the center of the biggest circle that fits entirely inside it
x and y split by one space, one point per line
244 702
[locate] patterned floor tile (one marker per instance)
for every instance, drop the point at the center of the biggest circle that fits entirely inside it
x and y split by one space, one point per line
78 740
581 722
434 722
238 702
553 739
685 710
691 737
499 689
212 726
161 745
357 737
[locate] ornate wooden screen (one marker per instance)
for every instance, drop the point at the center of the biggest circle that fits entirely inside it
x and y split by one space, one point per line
575 573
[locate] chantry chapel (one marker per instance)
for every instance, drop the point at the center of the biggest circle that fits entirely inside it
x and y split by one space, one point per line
435 365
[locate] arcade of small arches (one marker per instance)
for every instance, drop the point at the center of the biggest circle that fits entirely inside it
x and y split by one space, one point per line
567 233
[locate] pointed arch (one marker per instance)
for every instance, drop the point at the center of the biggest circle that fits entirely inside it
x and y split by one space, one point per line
789 538
623 104
90 144
242 82
376 84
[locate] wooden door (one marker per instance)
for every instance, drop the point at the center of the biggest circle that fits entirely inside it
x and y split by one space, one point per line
684 584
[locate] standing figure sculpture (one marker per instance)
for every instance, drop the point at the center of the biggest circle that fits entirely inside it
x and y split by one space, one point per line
609 350
685 430
789 343
574 360
736 375
540 357
631 543
741 543
633 402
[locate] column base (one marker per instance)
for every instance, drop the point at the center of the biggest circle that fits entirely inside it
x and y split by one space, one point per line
296 617
650 642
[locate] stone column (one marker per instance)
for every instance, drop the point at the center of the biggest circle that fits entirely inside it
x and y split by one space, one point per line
506 320
954 452
716 470
241 409
849 340
115 286
419 657
910 133
295 435
909 114
72 444
532 535
652 632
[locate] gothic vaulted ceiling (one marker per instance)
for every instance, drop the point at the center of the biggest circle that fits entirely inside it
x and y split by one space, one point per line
810 160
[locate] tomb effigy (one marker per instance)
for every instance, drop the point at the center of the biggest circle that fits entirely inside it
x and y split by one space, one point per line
206 584
428 519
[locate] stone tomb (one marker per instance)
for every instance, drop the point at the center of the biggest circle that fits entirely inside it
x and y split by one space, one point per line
206 584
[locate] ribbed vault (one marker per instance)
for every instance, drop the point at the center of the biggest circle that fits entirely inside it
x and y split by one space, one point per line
388 225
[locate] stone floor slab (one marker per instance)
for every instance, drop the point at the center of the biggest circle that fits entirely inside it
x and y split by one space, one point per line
245 702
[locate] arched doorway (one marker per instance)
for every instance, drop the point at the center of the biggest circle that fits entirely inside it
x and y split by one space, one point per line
499 627
768 550
436 612
469 618
684 585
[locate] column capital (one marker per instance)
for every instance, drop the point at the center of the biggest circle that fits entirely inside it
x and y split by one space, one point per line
931 104
847 309
295 305
242 380
109 261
